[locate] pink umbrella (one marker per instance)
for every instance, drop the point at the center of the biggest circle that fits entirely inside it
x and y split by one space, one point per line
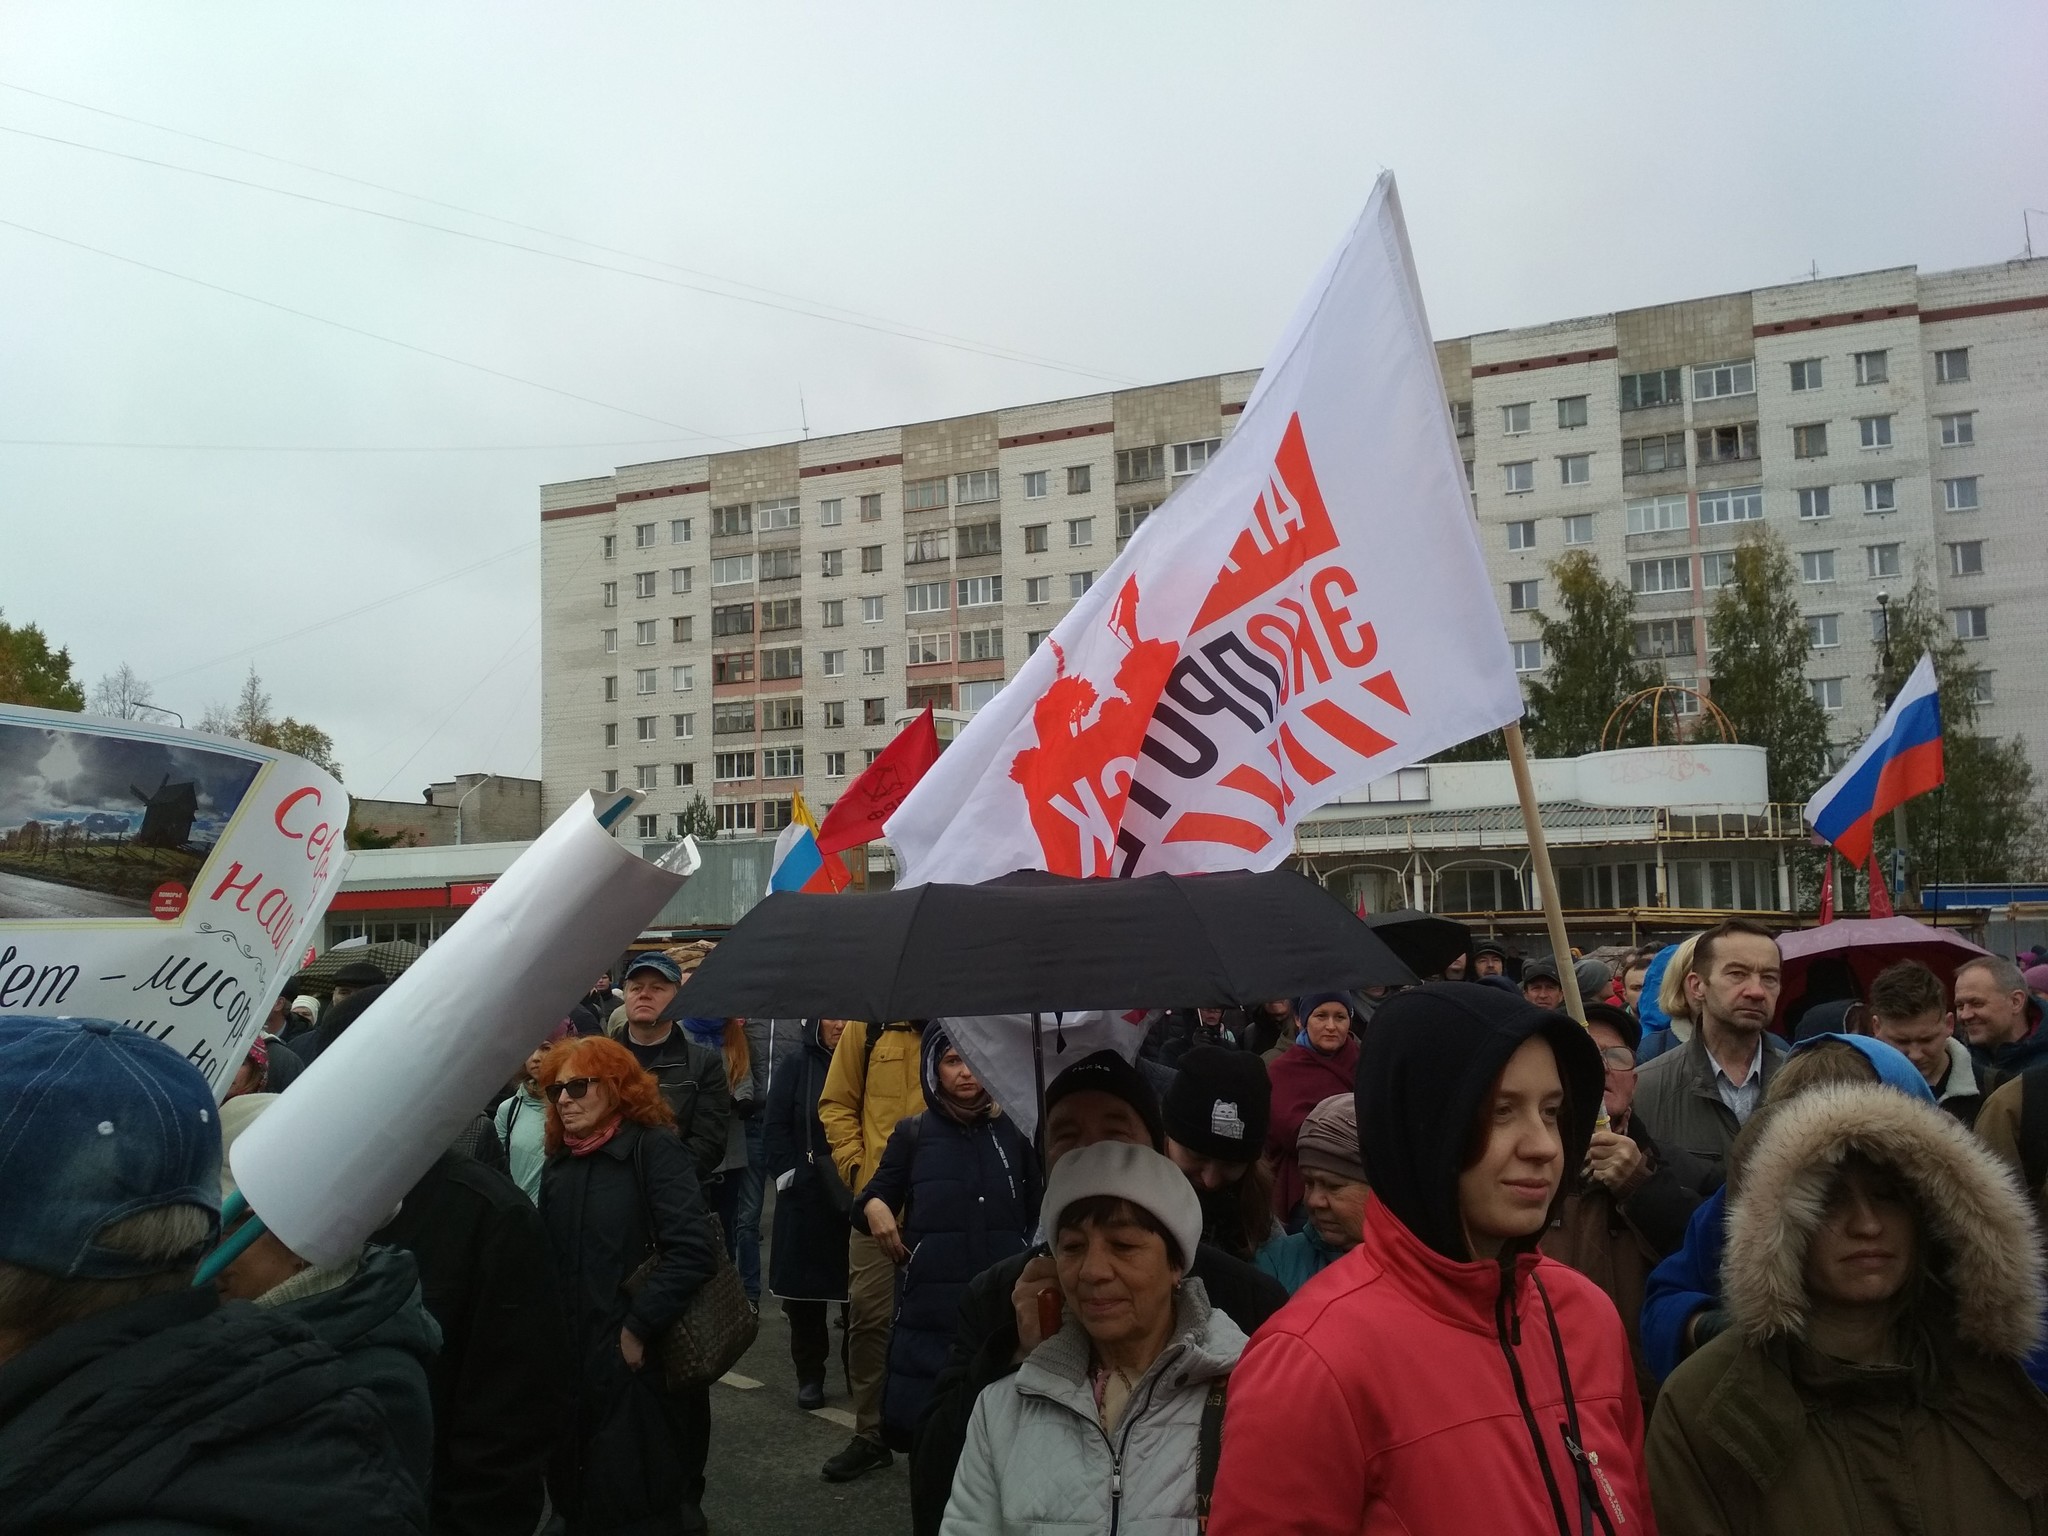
1866 945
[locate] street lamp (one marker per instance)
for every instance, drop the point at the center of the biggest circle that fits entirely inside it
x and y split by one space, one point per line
159 709
479 784
1884 616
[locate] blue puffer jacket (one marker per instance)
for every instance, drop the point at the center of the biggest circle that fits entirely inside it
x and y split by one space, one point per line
966 1194
1657 1036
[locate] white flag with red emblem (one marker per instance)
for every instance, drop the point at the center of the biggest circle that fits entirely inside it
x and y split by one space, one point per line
1308 615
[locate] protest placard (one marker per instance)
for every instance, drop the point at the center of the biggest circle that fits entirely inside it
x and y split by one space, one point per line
164 879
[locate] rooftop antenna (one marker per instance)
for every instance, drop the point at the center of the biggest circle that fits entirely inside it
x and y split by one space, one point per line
2027 226
801 411
1813 270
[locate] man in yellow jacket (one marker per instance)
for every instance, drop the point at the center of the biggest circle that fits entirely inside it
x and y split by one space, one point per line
873 1083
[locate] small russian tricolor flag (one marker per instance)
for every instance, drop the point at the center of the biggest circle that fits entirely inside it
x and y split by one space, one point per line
1901 759
798 864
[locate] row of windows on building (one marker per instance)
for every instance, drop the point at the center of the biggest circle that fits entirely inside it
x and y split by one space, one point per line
780 614
1712 381
733 816
1733 884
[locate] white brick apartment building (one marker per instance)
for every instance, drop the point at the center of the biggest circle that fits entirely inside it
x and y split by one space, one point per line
752 623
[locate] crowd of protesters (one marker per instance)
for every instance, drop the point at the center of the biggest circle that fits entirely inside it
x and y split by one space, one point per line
1431 1259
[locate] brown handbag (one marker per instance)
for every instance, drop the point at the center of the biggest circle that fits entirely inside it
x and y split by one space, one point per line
718 1324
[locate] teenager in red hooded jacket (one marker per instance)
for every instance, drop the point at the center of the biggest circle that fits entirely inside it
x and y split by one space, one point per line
1442 1377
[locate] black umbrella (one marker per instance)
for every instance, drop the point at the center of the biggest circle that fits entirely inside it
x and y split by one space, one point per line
1033 942
1425 944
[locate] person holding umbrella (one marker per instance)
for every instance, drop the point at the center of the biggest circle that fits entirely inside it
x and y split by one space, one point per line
1323 1060
807 1260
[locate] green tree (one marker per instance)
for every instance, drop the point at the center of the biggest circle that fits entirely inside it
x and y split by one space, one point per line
359 835
1590 662
250 719
698 820
33 674
1489 748
1760 645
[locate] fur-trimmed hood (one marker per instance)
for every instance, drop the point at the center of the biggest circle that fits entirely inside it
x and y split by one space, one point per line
1989 1249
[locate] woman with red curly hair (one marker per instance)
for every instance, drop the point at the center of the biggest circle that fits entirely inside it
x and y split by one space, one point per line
618 1188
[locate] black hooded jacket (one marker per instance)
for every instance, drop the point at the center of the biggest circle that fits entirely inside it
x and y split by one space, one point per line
180 1414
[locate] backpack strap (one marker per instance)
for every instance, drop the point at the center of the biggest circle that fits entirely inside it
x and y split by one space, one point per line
1209 1451
2034 1126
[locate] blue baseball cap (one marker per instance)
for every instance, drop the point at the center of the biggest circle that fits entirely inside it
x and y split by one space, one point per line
98 1122
654 960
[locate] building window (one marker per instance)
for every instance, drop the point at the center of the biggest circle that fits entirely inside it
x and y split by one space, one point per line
1742 505
1813 503
936 695
643 680
782 613
1725 445
781 564
979 591
1959 430
611 690
981 645
1035 538
1522 596
1034 638
1522 534
1080 479
736 816
1514 419
1952 366
1038 589
643 583
611 739
1671 574
1575 468
871 660
974 695
832 562
1875 431
1035 484
1716 381
732 667
977 485
924 495
1130 519
611 642
608 546
775 516
681 630
832 614
1717 569
728 522
1578 529
783 714
1881 559
643 535
831 512
1810 441
834 714
1664 637
835 765
1870 368
1528 655
1880 495
647 776
874 712
682 679
643 632
925 597
728 767
733 619
1960 494
1520 477
643 728
871 610
1824 630
1654 454
871 509
1190 458
979 539
870 559
730 570
1806 374
929 649
1966 559
1827 693
1639 391
782 662
683 774
833 663
611 779
679 530
1571 410
1658 514
1135 465
1461 417
1816 566
611 594
1080 532
1980 687
685 729
1972 623
782 763
1078 583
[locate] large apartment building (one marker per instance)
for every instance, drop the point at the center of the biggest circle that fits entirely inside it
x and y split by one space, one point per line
755 623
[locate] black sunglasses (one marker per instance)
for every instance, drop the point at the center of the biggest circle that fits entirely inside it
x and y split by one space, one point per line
575 1087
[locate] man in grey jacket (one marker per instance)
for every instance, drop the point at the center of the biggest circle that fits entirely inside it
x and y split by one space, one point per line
692 1078
1694 1099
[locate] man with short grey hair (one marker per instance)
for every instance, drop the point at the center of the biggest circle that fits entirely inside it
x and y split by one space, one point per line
1998 1015
130 1399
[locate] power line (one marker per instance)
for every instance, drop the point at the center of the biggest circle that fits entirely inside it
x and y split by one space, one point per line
791 303
357 330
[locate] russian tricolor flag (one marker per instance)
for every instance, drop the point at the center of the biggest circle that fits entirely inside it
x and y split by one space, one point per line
798 864
1901 759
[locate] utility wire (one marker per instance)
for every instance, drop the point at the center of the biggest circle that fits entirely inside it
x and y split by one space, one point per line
357 330
791 303
628 442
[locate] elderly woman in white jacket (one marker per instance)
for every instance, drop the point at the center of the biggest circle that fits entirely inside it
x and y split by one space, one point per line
1114 1423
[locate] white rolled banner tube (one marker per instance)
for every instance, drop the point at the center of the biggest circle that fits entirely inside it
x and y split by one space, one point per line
330 1161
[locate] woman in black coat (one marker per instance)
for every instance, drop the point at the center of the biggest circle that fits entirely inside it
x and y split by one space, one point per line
807 1263
957 1191
618 1187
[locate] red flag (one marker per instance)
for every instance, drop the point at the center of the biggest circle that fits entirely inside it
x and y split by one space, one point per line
856 817
1880 898
1827 890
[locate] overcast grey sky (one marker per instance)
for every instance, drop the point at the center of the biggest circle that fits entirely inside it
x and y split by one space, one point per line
1134 192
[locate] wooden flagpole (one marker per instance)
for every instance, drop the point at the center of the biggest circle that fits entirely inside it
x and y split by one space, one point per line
1546 877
